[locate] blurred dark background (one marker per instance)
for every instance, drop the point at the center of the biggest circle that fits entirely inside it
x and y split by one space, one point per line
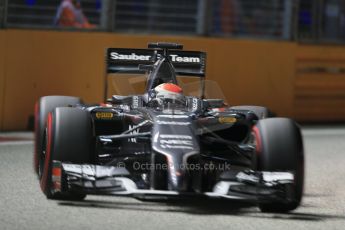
284 54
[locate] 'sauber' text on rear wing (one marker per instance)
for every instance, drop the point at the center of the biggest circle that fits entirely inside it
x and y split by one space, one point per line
190 63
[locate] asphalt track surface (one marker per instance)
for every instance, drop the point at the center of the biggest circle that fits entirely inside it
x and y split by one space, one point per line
23 206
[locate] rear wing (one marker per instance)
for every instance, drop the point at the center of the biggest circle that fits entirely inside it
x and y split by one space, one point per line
190 63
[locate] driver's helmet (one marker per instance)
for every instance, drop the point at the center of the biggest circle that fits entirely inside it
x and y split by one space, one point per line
169 93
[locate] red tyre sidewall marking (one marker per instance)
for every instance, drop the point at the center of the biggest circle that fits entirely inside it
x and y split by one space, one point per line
258 140
36 137
258 147
44 180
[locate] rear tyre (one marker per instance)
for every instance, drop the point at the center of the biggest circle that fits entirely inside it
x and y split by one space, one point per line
42 108
68 139
280 148
259 111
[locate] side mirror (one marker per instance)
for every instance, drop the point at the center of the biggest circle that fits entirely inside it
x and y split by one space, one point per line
132 101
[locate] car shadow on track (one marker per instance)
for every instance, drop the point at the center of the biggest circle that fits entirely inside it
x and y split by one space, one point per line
201 207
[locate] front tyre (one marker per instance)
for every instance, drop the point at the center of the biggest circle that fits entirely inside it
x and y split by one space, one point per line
44 106
68 139
280 148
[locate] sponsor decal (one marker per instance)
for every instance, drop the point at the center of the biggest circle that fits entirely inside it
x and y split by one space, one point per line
172 141
104 115
176 142
176 147
173 116
176 58
135 57
278 176
135 131
135 102
227 120
195 104
172 123
167 111
173 136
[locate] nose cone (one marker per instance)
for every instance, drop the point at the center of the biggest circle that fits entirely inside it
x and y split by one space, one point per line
174 137
178 180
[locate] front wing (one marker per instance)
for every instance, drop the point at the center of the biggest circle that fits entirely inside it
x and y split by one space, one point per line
253 186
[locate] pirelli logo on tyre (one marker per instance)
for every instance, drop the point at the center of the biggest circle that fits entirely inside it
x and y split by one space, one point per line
104 115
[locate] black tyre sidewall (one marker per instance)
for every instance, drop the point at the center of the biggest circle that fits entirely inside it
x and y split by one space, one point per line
42 108
281 149
69 134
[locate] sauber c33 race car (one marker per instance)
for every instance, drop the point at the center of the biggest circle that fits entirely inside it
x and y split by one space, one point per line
164 142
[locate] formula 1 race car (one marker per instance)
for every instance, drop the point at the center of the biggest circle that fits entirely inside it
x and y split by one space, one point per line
164 143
